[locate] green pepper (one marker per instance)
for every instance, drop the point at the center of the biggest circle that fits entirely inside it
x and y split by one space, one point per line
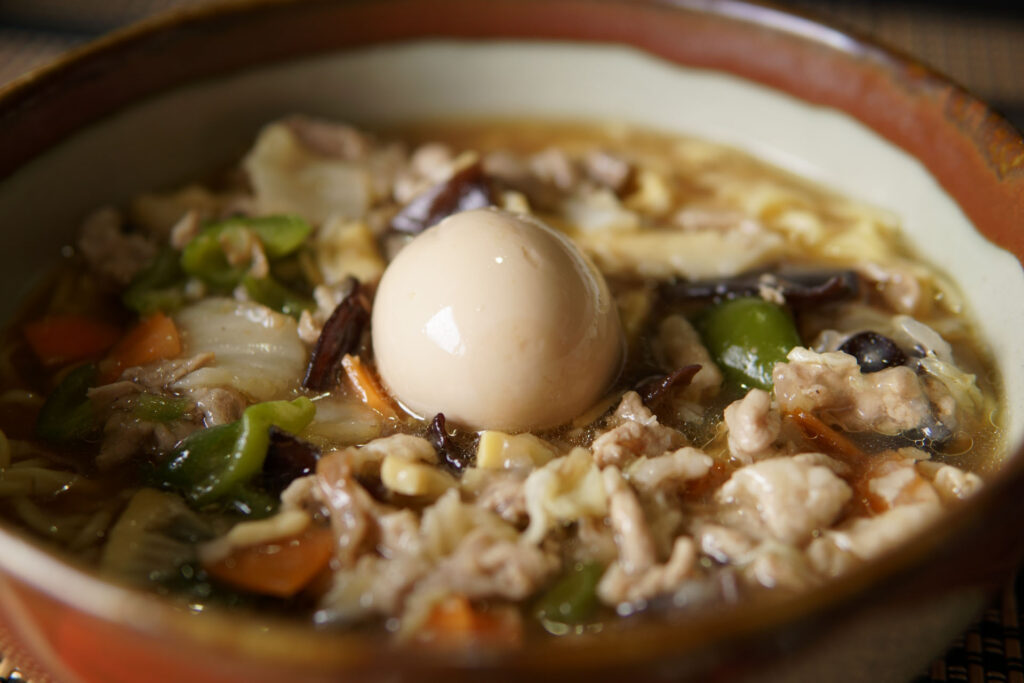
68 414
156 408
211 465
573 598
747 337
272 294
204 257
159 287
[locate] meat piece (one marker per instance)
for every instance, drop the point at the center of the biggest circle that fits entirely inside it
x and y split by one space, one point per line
669 472
619 586
831 384
679 345
501 491
895 481
430 164
905 288
156 377
125 436
784 498
113 255
374 585
554 167
595 542
632 535
399 535
219 405
952 483
330 139
780 567
105 395
608 169
354 513
637 434
753 426
303 494
483 566
724 544
861 539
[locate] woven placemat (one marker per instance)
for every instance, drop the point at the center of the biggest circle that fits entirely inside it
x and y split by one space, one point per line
983 50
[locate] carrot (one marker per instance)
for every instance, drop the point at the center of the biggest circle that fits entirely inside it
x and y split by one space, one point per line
279 568
367 386
153 338
456 622
830 441
62 339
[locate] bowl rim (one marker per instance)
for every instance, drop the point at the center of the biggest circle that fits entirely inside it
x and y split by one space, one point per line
996 144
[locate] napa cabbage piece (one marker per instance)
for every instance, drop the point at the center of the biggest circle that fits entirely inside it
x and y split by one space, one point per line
154 536
291 176
257 351
692 255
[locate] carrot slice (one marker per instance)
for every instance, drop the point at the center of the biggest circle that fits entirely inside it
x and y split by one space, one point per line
456 622
62 339
154 338
367 386
280 568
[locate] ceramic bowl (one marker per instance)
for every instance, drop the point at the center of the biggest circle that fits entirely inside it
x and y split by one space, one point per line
169 99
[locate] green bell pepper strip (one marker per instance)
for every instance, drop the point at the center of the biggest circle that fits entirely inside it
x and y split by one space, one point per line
156 408
159 287
272 294
213 463
747 337
68 414
204 257
573 598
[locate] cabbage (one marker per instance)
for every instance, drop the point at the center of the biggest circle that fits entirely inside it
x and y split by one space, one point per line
257 351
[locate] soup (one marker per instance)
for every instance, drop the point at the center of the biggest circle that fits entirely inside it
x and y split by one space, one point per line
473 383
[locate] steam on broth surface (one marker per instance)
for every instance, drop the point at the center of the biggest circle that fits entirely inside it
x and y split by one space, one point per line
194 404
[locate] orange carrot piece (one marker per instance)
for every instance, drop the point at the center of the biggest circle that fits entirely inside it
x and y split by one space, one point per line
830 441
153 338
62 339
456 622
279 568
367 386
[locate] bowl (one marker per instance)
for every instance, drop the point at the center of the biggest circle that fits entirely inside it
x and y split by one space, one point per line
170 98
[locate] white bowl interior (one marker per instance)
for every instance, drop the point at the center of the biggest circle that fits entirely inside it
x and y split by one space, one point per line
173 137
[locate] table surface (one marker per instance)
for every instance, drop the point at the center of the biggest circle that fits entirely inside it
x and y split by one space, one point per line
978 44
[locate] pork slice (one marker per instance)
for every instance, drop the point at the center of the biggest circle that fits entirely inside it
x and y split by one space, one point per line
637 433
753 426
889 401
783 498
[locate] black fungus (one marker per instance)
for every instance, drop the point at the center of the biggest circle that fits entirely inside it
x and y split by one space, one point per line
873 351
800 289
654 389
452 455
341 335
288 458
467 189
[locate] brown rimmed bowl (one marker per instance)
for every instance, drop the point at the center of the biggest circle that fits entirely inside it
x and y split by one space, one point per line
170 98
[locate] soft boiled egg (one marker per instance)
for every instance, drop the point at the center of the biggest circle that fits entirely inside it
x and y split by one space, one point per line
498 321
